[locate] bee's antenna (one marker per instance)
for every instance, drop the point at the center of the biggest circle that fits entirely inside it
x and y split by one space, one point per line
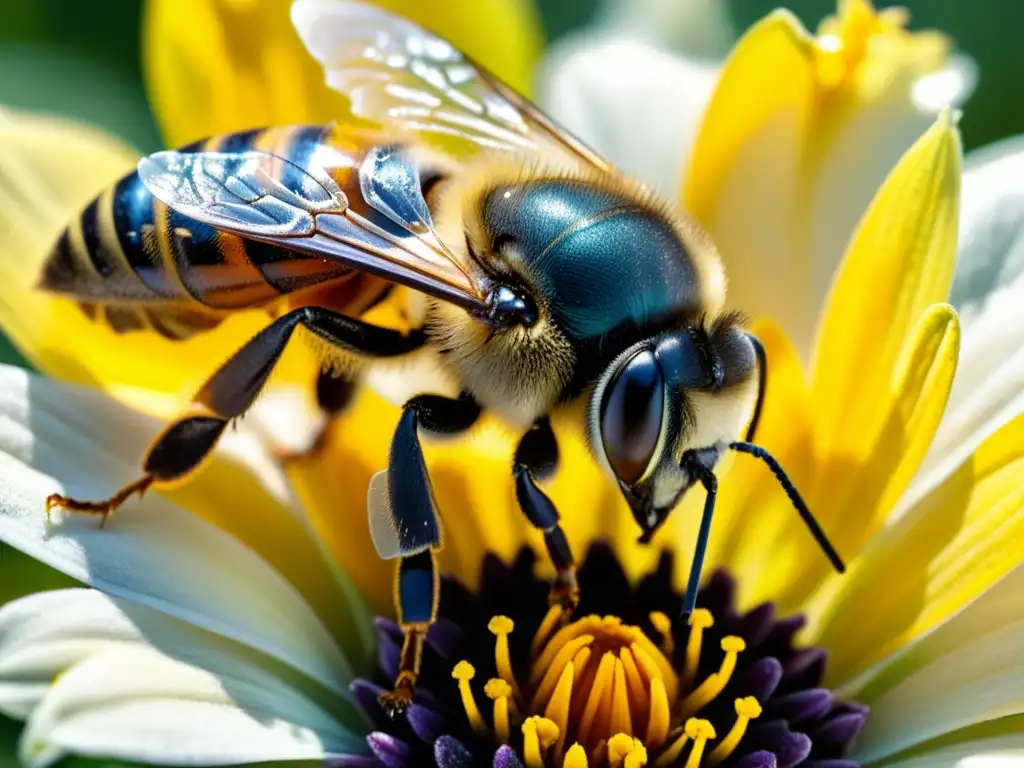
794 496
762 384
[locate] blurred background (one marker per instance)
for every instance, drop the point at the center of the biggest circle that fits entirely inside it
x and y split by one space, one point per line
82 59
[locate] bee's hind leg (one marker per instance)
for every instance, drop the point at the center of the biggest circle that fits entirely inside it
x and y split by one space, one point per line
183 446
406 518
537 456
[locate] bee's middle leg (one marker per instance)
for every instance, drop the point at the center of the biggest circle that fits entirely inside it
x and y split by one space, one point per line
182 447
537 457
415 517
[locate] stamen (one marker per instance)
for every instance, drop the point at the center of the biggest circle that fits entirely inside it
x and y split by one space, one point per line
539 734
547 626
637 689
501 627
747 709
464 672
602 684
670 755
621 721
700 620
663 626
576 757
700 731
565 635
557 709
625 751
500 691
554 671
716 681
658 722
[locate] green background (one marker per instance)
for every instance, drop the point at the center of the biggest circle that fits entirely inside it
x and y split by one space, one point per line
82 59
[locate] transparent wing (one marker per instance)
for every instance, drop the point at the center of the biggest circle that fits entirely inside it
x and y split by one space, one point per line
396 73
265 197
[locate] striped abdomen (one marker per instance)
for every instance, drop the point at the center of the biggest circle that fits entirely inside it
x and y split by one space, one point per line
132 262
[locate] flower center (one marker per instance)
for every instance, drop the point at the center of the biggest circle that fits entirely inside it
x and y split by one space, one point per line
600 691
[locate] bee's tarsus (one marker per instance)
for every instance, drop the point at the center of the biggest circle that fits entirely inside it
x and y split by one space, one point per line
101 508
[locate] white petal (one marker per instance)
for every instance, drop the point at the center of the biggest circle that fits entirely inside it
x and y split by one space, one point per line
135 703
56 438
692 27
967 671
988 292
637 106
44 634
996 752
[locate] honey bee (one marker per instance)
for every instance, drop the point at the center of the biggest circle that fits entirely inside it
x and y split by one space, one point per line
542 278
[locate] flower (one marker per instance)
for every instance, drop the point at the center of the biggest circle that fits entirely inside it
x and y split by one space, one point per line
930 586
626 684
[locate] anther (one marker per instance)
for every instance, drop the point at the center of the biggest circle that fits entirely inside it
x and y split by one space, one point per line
576 757
699 621
625 751
501 627
700 731
539 734
747 709
499 691
663 626
715 682
464 672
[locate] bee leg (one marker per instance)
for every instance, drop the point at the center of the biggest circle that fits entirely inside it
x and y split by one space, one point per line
414 518
417 591
181 448
537 455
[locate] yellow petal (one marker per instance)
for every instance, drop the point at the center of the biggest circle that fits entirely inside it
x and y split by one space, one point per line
214 66
912 406
752 507
780 180
49 169
899 262
946 551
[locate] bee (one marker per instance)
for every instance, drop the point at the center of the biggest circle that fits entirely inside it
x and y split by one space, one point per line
541 277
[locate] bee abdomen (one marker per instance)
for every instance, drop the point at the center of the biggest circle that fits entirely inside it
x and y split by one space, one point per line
133 263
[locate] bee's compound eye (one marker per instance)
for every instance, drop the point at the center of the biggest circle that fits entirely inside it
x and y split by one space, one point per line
631 416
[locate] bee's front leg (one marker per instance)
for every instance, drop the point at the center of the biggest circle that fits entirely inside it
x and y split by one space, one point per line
537 456
406 524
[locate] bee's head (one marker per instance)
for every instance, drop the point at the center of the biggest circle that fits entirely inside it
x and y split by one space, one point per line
666 408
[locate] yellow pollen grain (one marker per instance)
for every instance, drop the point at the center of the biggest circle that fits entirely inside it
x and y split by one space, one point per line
554 671
598 692
576 757
557 710
464 672
700 620
663 626
747 709
547 626
501 627
658 720
621 720
700 731
500 691
716 681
